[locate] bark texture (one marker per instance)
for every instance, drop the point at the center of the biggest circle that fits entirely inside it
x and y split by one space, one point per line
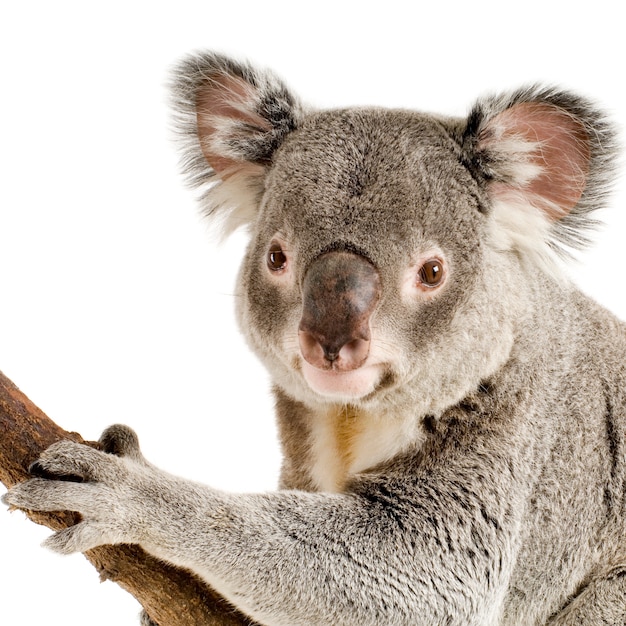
169 595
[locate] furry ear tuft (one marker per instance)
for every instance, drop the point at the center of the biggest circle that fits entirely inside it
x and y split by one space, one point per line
547 158
230 118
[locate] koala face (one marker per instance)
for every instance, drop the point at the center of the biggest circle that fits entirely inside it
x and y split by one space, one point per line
387 191
392 252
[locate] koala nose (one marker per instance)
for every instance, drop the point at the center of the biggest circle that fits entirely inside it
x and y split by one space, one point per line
340 292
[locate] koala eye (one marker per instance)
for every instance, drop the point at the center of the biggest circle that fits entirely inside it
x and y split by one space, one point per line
276 258
431 273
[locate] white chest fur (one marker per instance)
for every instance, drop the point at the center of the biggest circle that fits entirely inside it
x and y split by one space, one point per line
347 440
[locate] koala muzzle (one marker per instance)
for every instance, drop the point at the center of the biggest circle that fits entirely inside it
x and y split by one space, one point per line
340 293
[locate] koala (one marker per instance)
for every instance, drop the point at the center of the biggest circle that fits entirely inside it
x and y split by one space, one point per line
452 409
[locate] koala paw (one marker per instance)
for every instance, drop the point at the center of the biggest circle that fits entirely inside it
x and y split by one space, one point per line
99 485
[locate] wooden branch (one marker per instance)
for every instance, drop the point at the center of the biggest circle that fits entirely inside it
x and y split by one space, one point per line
169 595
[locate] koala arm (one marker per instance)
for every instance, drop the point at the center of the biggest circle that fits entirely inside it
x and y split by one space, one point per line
361 557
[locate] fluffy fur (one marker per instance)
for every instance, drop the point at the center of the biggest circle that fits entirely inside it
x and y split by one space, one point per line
481 478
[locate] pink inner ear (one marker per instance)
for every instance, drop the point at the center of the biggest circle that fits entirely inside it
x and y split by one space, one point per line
225 109
562 154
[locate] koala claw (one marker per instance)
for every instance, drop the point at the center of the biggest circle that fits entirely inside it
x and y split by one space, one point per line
38 470
68 460
79 538
40 494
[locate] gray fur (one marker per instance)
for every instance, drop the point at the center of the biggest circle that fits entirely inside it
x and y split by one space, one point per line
481 479
573 230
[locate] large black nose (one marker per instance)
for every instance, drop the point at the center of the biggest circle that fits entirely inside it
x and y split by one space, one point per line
340 293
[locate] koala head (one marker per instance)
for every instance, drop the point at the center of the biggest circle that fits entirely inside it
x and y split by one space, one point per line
393 255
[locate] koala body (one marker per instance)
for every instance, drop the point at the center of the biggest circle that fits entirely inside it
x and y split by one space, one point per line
452 410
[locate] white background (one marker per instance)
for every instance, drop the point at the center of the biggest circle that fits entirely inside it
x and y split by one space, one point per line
115 301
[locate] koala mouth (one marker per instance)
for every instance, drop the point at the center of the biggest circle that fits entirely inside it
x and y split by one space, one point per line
348 385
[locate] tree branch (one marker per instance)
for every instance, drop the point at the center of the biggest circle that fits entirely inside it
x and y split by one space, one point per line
169 595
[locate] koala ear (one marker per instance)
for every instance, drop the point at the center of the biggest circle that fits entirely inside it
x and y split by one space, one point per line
230 119
547 159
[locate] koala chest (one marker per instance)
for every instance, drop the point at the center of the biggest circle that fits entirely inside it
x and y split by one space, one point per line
346 440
